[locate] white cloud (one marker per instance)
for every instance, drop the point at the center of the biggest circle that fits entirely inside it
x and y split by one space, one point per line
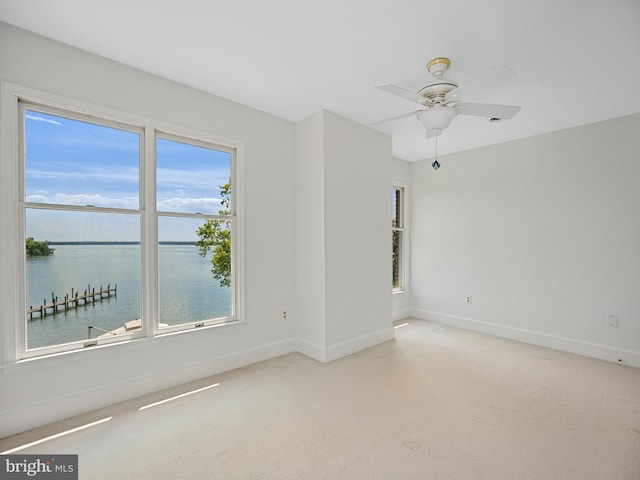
123 175
96 200
206 179
174 204
38 198
191 205
42 119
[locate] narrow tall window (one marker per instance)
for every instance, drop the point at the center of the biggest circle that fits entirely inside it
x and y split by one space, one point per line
196 222
397 231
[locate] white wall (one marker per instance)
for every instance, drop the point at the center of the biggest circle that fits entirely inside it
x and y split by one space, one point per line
336 191
310 241
357 236
543 233
343 239
43 390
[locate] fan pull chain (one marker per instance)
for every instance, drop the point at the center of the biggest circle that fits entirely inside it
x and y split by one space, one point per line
436 164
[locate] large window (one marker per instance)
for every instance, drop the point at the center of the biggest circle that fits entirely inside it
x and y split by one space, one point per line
398 237
127 230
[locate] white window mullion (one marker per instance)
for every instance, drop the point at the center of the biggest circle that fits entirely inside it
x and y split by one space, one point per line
149 234
237 246
20 309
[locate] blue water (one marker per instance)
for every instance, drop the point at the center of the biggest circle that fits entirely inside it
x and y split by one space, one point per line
187 290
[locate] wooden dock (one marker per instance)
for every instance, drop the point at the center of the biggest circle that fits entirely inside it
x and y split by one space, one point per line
76 299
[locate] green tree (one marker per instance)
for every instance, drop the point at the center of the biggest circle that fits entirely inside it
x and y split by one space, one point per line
37 249
215 236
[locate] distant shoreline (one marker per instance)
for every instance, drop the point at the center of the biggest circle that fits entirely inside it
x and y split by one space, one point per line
95 242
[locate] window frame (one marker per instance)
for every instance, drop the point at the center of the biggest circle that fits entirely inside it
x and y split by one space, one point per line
24 206
401 229
232 218
14 99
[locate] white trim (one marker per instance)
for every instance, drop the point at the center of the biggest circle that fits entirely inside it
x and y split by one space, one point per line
238 236
54 360
564 344
342 349
9 237
311 349
401 314
19 92
149 236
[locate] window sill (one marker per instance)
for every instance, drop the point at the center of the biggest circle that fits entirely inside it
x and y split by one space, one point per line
113 348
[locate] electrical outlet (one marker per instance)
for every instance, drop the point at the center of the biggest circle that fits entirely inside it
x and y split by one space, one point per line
284 314
469 299
612 320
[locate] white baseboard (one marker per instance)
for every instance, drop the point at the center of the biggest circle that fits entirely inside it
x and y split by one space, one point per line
401 314
564 344
342 349
36 414
311 349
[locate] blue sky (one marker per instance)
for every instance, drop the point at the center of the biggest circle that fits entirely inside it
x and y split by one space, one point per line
71 162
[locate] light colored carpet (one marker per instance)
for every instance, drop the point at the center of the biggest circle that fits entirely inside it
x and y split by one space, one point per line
436 403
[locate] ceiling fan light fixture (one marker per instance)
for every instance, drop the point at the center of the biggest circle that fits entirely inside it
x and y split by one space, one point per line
442 98
436 119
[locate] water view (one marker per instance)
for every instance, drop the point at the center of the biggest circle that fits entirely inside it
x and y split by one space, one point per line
187 290
83 183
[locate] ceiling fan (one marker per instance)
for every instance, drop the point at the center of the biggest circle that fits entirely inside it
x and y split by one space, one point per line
441 98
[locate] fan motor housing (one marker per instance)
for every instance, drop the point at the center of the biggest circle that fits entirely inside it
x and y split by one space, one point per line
435 91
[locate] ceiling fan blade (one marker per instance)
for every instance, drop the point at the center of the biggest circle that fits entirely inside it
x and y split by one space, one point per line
489 110
482 82
395 118
404 93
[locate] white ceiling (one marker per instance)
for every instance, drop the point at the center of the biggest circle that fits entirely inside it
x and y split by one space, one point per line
577 61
